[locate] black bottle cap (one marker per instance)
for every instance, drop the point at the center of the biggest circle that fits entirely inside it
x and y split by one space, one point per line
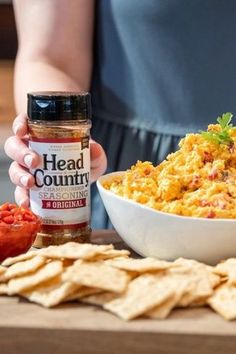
55 106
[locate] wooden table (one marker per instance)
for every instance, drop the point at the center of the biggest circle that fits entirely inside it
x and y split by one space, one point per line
73 328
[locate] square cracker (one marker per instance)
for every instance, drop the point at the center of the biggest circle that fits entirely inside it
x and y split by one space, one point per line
73 250
112 254
2 270
183 265
21 284
201 280
163 310
97 275
81 292
23 257
50 293
227 268
25 267
142 265
199 288
143 293
223 301
3 289
2 274
99 299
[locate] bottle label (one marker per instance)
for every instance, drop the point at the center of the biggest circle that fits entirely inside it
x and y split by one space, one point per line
61 194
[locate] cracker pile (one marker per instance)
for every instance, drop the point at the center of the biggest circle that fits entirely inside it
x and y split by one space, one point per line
110 278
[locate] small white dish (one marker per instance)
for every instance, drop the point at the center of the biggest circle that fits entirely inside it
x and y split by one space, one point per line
152 233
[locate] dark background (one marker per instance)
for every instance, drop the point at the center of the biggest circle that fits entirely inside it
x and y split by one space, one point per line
8 39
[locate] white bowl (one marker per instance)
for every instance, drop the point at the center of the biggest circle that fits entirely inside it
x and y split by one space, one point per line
152 233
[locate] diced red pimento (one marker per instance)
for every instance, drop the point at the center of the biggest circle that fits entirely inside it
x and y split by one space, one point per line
221 204
9 219
4 213
205 202
10 213
211 214
28 217
213 174
195 182
216 203
18 229
208 157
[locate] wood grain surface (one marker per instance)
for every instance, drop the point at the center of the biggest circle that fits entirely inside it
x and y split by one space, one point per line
73 328
7 111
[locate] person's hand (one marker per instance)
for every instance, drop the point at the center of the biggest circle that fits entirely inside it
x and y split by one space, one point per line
16 147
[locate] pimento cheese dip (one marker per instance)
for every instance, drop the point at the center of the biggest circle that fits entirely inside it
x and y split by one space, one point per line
198 180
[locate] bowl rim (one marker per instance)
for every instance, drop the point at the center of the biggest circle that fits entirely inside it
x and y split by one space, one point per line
142 206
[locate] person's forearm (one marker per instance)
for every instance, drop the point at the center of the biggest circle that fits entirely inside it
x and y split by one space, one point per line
54 52
42 76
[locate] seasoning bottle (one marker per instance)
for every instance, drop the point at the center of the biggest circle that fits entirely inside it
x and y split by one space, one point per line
59 130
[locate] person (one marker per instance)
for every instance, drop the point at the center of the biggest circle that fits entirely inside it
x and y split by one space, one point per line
156 70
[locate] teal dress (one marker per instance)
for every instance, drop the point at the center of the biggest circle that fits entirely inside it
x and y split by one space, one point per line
162 68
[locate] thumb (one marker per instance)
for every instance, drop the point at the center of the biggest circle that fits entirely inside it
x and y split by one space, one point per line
98 160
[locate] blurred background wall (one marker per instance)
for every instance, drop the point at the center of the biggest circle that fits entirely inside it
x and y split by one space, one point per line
8 47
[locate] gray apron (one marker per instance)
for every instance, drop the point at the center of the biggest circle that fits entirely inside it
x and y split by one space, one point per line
162 68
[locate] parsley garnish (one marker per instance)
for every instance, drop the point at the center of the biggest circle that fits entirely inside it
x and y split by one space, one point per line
221 137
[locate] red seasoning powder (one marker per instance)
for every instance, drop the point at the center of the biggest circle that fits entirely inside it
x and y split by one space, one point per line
59 131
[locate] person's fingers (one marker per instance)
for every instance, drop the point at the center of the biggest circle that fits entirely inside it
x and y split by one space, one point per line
20 176
17 150
21 197
19 125
98 160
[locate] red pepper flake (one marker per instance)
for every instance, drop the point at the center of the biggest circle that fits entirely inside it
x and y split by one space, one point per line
211 214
